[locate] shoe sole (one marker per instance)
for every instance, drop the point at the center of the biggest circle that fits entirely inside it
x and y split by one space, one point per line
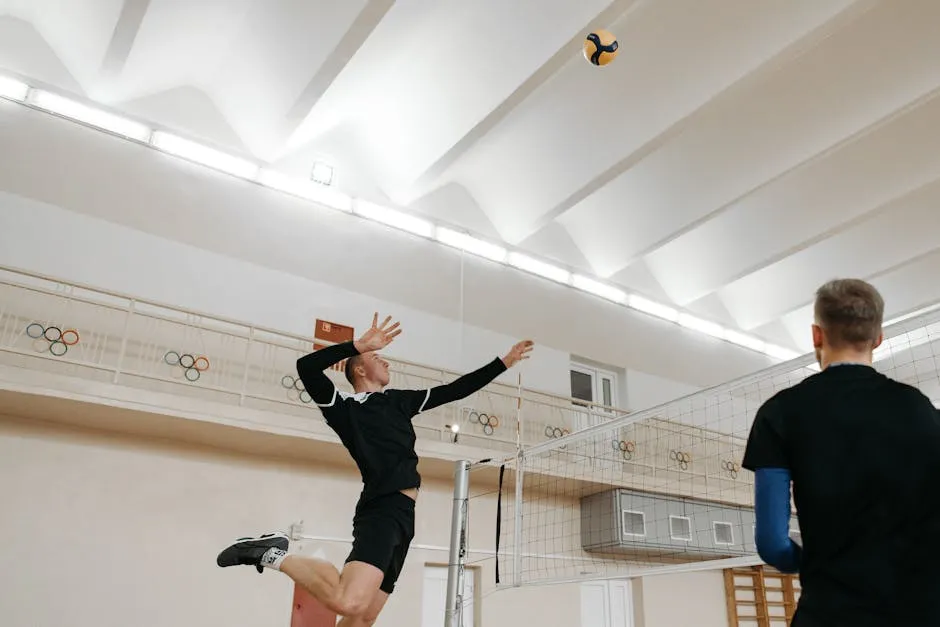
227 556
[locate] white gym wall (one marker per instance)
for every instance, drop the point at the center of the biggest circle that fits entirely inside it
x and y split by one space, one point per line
103 529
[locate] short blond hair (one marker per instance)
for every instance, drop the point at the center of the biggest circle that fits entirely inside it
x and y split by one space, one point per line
850 311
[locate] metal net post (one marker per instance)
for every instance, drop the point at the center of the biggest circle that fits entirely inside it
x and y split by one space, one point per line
453 614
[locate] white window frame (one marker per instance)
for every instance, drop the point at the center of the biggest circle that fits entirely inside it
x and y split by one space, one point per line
688 519
613 609
730 526
623 527
598 376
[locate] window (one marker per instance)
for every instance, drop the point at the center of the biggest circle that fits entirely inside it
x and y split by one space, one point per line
634 523
680 528
593 385
724 533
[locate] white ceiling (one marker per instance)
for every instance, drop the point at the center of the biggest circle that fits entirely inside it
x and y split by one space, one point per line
733 157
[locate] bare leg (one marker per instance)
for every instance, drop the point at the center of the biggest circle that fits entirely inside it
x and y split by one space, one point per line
350 593
368 619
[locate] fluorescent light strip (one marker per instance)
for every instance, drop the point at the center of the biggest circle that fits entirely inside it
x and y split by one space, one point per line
192 151
548 271
392 217
597 288
466 242
306 189
709 328
654 309
780 352
702 326
745 340
91 116
216 159
13 89
913 314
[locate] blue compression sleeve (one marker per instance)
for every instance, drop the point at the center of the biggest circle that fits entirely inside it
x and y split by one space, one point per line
772 508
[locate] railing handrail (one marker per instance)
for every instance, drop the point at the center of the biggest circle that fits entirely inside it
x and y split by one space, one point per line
565 400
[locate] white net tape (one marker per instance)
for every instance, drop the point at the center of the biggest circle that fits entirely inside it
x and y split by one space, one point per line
662 489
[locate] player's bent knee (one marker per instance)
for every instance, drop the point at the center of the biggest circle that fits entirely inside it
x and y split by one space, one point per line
352 606
359 583
355 602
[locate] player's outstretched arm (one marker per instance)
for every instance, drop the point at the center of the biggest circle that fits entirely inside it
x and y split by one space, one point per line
475 381
311 368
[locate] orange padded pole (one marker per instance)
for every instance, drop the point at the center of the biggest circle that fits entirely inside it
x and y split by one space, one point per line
308 612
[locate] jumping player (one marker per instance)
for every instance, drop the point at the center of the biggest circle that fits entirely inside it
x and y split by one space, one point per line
375 426
863 454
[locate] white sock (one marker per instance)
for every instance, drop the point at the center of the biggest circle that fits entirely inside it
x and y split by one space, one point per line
272 558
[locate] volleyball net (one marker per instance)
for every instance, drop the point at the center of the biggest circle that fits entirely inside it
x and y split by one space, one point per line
660 490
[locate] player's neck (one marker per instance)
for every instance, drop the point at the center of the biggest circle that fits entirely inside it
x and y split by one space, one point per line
846 357
367 386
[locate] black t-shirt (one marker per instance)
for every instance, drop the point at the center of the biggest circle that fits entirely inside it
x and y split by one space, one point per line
376 427
863 453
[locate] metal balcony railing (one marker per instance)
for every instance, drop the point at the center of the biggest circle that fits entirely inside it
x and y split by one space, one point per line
67 328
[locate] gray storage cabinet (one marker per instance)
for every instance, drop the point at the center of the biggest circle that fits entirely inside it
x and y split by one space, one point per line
624 521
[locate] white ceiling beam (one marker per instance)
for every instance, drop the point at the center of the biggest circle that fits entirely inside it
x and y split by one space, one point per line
368 19
848 150
123 36
910 215
429 178
897 285
798 47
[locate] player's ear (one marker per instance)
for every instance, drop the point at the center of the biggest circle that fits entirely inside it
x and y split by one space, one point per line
881 338
817 336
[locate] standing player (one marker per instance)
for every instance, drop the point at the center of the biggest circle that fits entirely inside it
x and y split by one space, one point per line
863 454
375 426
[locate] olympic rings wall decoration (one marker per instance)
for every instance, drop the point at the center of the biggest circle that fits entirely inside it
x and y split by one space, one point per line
52 338
626 448
683 458
731 468
193 366
295 389
489 422
556 432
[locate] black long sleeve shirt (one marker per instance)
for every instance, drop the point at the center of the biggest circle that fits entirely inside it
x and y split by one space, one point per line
375 427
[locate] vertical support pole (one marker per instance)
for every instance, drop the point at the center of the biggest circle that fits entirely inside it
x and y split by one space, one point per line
517 524
251 337
127 324
453 613
519 414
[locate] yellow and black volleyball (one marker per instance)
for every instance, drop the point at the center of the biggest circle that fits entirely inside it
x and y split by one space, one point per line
600 47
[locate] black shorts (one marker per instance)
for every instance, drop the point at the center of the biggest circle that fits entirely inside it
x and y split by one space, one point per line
383 528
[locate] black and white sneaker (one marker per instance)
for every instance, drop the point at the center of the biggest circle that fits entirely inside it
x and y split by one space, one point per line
251 551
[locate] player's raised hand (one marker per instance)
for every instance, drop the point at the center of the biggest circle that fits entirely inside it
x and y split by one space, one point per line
378 336
518 352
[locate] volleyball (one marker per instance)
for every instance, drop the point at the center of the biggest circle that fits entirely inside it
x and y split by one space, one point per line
601 47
